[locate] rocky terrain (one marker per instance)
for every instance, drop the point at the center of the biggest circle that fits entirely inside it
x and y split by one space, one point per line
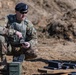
55 21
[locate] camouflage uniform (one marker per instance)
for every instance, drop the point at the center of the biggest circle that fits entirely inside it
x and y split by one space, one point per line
28 32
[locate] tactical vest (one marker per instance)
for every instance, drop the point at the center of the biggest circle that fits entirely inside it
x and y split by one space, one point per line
11 20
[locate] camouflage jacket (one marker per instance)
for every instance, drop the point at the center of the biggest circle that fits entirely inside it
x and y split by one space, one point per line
25 27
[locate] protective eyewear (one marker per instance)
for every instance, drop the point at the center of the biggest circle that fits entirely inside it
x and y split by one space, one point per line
23 12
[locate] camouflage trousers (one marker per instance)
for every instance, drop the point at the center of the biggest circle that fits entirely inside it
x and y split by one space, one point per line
29 53
16 51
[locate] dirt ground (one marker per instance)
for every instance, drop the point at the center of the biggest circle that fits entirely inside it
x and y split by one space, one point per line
48 49
42 13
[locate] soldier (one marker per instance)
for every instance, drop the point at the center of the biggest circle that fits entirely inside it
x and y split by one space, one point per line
19 25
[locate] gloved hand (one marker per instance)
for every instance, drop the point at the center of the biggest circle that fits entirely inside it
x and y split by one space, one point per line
26 45
19 34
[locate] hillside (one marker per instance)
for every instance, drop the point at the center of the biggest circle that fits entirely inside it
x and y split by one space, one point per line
55 21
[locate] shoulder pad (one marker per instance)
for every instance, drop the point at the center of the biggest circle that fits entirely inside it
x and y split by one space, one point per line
11 18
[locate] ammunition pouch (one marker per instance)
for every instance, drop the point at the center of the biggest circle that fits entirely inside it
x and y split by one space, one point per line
14 40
